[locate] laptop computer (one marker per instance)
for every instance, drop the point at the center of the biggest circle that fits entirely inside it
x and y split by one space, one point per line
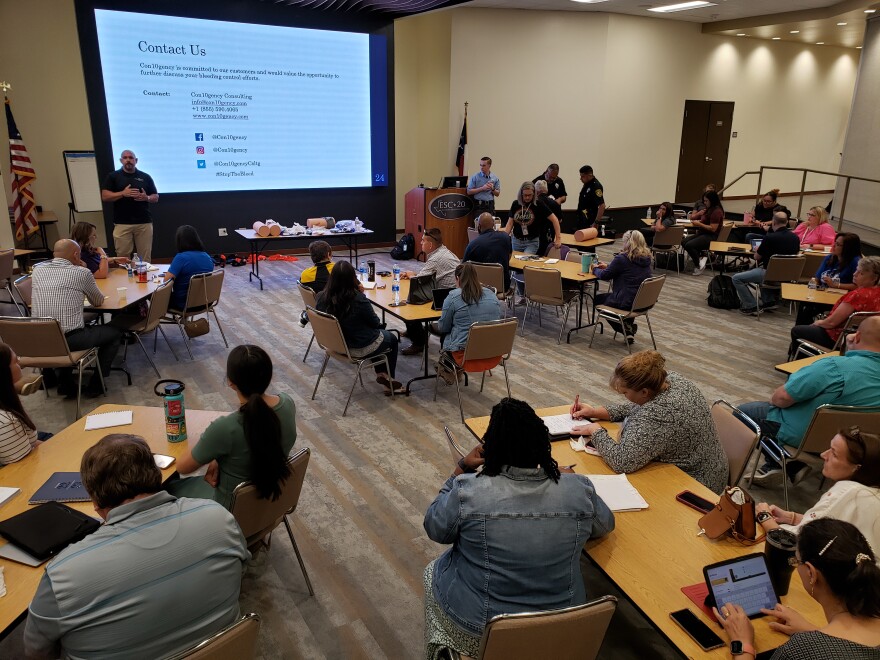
439 298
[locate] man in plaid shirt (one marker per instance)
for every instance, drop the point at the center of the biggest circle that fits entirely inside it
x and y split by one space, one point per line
59 287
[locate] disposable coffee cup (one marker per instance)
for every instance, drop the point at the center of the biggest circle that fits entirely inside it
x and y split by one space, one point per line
371 271
121 291
779 547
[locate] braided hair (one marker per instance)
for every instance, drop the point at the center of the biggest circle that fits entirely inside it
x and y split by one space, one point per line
517 437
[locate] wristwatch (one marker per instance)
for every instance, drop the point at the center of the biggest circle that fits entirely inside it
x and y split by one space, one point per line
739 648
761 517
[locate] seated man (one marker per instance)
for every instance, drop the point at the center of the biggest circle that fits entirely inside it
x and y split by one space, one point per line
851 380
441 263
59 287
315 277
159 576
781 240
490 247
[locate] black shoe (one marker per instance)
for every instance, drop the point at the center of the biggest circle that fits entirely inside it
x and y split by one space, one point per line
50 378
67 390
304 319
92 390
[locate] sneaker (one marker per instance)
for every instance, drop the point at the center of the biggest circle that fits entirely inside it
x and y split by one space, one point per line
698 271
303 319
797 471
703 262
412 349
749 311
768 474
772 307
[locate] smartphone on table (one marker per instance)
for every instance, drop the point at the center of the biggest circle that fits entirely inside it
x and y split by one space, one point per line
694 501
697 630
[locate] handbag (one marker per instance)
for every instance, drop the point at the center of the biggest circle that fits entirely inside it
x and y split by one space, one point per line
734 515
196 328
421 290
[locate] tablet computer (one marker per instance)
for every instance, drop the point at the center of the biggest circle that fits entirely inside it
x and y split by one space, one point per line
744 581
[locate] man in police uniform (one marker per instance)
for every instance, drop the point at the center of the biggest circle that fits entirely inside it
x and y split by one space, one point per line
484 187
131 192
555 185
591 203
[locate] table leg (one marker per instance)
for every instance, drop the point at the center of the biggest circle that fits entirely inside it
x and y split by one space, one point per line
255 264
580 325
426 376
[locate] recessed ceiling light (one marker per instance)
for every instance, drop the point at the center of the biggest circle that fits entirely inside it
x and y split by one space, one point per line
858 47
839 24
870 11
776 38
589 2
741 34
682 6
820 43
795 32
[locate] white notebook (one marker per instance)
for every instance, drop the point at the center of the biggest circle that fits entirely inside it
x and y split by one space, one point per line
7 493
617 492
562 424
108 419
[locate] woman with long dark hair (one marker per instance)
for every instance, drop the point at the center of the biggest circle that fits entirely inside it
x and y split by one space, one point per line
364 333
836 270
516 530
707 225
18 434
191 259
838 568
249 445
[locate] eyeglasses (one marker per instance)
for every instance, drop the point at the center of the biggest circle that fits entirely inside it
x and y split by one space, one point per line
794 562
812 214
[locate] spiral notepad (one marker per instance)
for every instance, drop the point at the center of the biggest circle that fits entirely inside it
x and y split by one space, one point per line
108 419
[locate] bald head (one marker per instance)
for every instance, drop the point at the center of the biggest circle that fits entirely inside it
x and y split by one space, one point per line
66 249
780 219
485 222
867 337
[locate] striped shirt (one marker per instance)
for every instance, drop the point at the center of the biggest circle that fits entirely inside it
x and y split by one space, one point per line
16 438
441 262
58 291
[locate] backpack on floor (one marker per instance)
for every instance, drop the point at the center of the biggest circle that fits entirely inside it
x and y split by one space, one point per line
722 293
405 248
667 260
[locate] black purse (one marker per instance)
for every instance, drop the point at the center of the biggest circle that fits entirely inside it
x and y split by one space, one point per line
421 290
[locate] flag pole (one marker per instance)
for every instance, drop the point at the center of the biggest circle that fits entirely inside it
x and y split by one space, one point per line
464 157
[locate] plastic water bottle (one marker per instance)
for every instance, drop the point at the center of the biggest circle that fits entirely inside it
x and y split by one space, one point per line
133 264
395 270
363 271
395 289
650 211
813 283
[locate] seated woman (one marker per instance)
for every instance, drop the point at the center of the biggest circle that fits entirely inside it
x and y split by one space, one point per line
667 420
92 256
758 221
191 259
864 298
498 523
836 270
249 445
700 205
629 268
853 463
837 567
664 219
469 303
365 335
707 224
816 230
18 434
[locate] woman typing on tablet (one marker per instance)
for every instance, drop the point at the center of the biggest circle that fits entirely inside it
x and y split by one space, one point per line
667 419
249 445
853 462
516 532
838 569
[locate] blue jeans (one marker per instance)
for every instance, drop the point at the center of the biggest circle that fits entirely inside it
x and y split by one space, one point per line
389 344
529 246
741 282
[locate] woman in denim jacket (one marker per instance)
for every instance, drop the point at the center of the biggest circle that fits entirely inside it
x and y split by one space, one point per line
516 531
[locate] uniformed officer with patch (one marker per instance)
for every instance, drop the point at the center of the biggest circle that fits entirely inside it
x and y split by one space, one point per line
591 202
555 184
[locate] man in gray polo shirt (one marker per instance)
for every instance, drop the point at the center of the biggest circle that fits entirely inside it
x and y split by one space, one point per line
160 575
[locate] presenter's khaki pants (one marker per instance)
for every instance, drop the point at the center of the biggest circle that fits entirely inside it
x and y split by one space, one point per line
129 239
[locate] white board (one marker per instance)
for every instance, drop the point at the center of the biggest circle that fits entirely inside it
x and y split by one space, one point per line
82 177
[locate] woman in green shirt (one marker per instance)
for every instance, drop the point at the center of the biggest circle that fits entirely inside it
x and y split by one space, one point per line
249 445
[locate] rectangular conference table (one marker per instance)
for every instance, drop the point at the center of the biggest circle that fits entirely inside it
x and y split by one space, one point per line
652 554
134 291
803 293
383 298
589 245
571 272
791 367
257 244
62 453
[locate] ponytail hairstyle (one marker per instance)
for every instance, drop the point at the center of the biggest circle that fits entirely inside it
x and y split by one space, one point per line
249 368
517 437
842 554
9 400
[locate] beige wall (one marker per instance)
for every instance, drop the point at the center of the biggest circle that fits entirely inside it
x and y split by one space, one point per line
609 90
41 60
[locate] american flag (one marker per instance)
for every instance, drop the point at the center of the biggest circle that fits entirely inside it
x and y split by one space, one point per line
23 206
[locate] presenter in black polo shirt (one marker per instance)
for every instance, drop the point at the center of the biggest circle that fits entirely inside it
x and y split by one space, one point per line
131 191
591 202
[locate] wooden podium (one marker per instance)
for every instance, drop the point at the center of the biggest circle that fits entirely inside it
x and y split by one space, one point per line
448 209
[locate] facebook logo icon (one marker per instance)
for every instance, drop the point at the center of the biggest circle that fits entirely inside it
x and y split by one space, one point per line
200 137
201 164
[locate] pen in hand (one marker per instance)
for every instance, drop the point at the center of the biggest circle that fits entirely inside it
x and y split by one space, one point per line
575 408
